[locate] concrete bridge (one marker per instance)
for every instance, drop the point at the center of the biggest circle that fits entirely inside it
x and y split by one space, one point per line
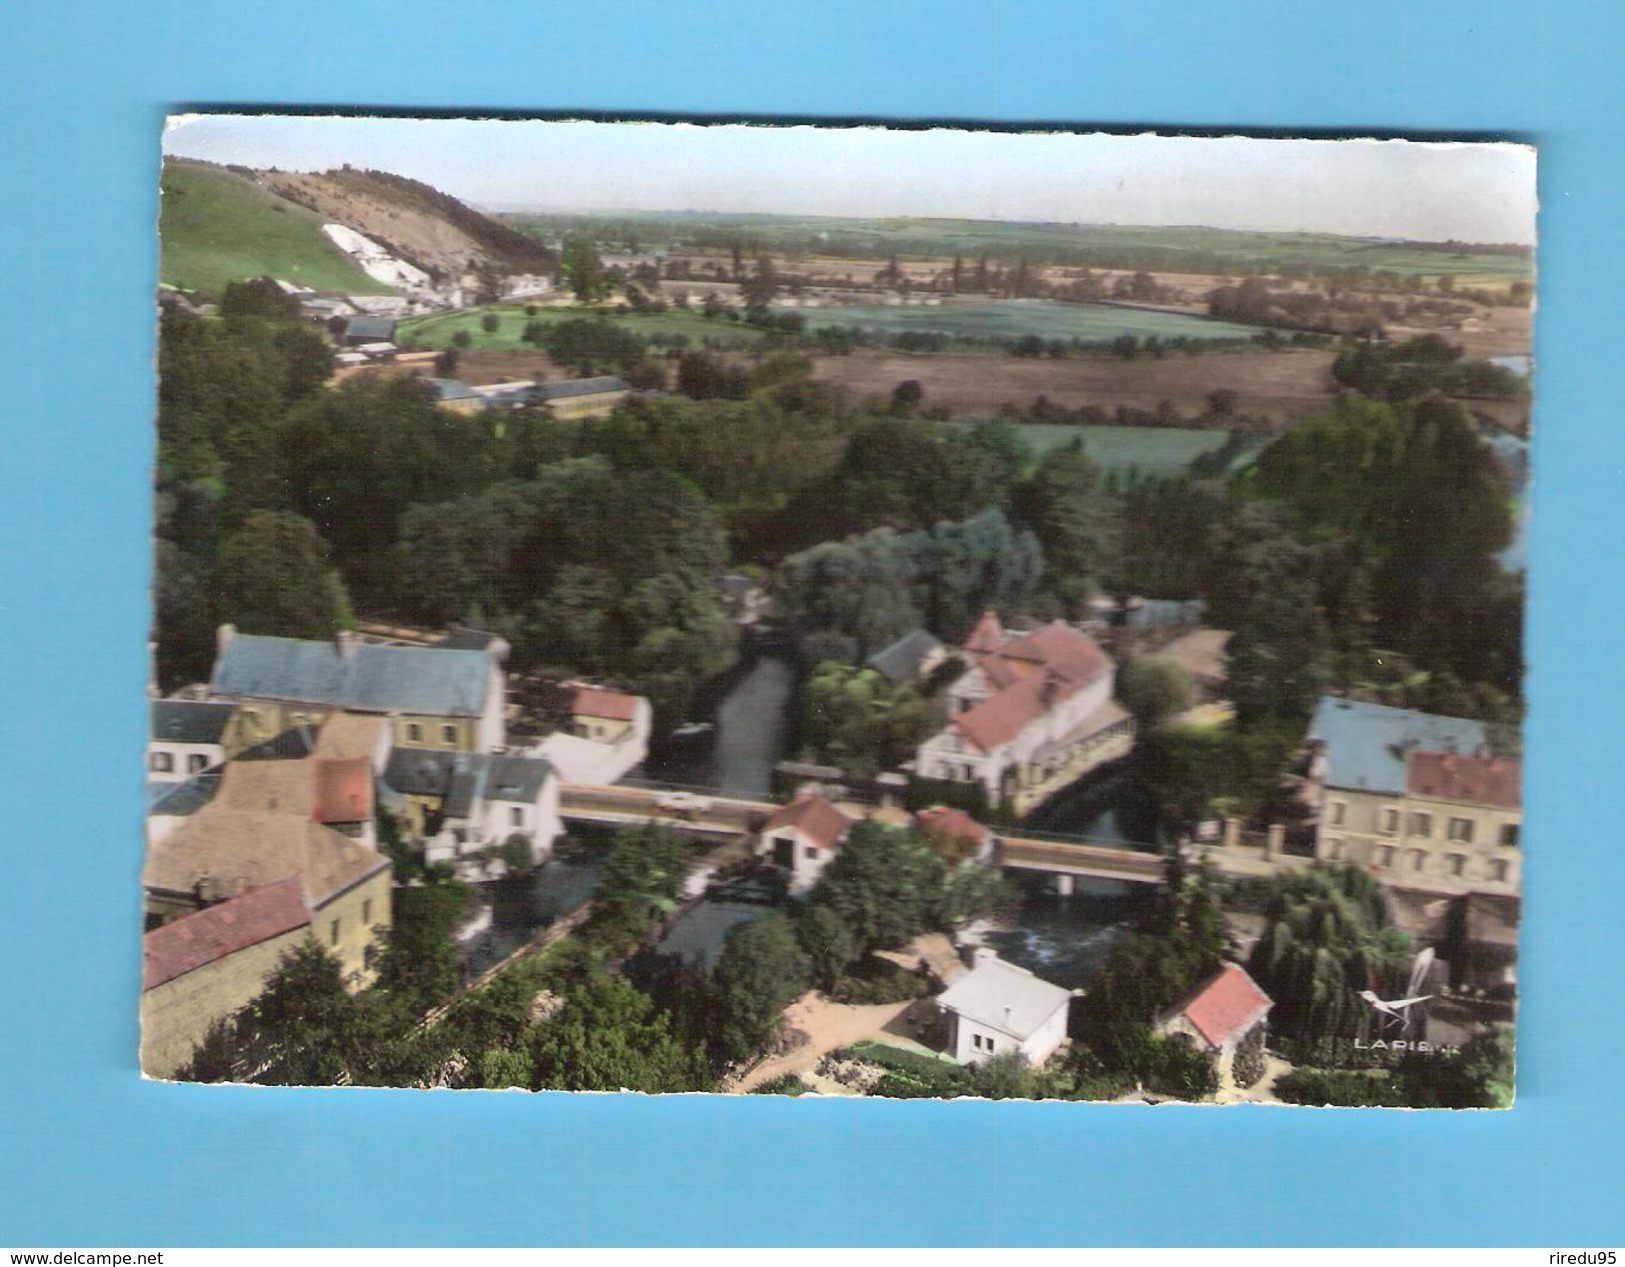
1064 856
621 805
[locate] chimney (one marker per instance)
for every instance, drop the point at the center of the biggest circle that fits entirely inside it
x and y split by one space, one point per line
224 636
345 640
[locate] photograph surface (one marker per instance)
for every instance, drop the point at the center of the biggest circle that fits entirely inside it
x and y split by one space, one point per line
914 613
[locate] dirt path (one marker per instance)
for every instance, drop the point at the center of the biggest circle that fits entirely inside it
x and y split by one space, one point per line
1261 1092
828 1026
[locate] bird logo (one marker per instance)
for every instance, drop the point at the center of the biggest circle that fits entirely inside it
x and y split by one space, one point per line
1397 1011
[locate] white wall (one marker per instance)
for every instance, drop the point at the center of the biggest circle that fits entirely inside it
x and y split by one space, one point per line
808 860
971 1041
542 824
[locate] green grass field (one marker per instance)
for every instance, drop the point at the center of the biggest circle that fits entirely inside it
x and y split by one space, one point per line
216 227
1000 319
1143 451
437 330
1192 249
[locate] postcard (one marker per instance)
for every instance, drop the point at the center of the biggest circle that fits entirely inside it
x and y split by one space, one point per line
838 611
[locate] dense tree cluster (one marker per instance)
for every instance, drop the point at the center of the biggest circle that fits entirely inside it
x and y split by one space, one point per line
856 596
1415 367
1180 941
1327 936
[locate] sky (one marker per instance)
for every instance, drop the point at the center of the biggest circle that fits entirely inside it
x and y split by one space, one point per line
1432 191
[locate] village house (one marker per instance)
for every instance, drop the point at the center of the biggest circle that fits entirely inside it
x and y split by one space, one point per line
1417 798
913 655
607 737
265 826
464 804
801 839
1032 713
958 837
997 1008
608 716
185 737
434 697
1226 1016
203 967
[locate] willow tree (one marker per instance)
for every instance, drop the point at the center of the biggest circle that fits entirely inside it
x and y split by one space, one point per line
1326 938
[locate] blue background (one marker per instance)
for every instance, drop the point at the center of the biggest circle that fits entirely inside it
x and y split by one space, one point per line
91 1156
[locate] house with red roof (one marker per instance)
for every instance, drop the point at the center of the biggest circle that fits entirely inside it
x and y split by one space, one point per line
957 836
1226 1016
1033 712
801 839
200 969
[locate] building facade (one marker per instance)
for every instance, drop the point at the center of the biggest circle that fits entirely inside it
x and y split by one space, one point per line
1416 798
1032 713
200 969
433 697
185 738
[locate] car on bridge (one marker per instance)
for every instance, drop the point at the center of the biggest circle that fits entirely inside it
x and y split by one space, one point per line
683 804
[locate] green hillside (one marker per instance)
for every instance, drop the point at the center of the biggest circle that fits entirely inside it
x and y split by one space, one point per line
215 226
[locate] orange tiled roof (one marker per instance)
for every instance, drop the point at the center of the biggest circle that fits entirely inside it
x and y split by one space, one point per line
1226 1005
593 701
1455 777
814 817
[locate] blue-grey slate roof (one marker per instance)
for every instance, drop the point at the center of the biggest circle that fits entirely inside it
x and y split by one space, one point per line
464 779
903 658
293 744
579 387
370 329
183 798
451 389
1367 745
189 721
370 676
1158 613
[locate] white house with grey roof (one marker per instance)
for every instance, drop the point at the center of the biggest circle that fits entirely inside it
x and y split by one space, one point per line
462 803
997 1008
185 737
436 699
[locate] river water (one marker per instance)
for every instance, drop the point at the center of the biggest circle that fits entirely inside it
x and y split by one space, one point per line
1063 939
513 911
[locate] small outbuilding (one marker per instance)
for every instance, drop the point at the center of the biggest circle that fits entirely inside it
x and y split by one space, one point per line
801 839
997 1007
1227 1017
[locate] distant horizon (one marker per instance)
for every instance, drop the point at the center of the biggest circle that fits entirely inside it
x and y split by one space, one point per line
1474 193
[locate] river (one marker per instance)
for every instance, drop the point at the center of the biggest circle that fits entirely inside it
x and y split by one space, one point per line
1063 939
752 726
512 911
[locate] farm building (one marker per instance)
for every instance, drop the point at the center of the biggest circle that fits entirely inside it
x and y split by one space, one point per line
582 397
203 967
363 330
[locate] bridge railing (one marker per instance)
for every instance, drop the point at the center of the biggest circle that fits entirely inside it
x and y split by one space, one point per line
659 785
1071 838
